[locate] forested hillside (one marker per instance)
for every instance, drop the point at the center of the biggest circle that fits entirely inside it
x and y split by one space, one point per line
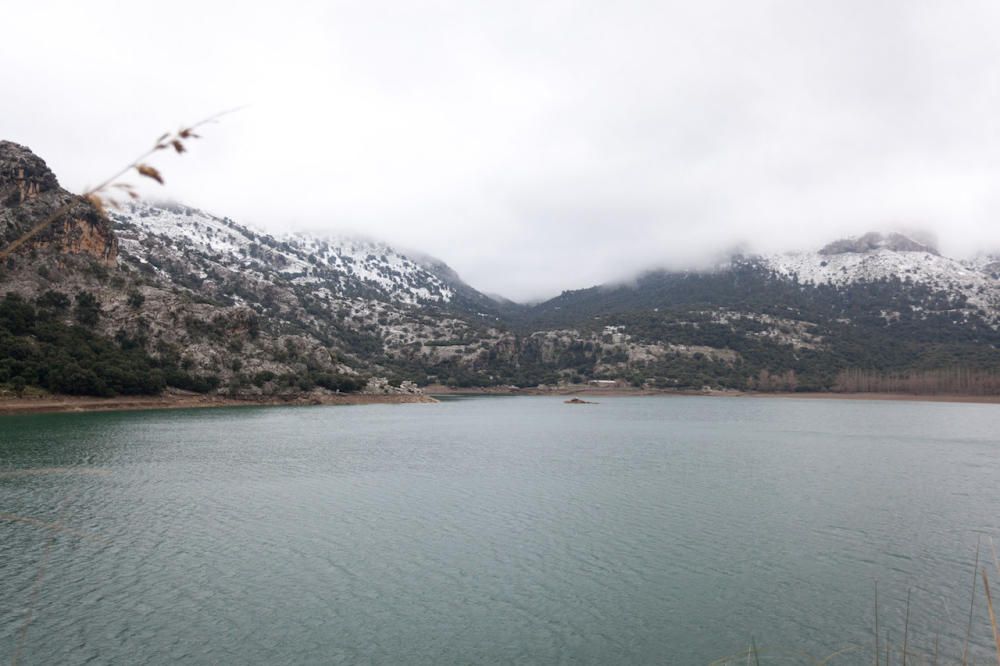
164 295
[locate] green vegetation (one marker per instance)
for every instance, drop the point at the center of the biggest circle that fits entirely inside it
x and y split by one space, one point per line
43 349
845 328
742 328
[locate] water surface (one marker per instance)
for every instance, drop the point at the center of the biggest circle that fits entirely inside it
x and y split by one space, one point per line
492 530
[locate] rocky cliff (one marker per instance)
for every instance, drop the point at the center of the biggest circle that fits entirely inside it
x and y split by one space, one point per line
874 241
218 306
30 196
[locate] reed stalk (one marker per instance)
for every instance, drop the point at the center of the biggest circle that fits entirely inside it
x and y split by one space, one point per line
906 626
972 603
99 195
876 625
993 617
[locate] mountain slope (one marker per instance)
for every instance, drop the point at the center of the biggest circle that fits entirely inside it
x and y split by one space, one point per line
30 193
208 304
363 298
343 266
183 289
875 257
883 304
166 295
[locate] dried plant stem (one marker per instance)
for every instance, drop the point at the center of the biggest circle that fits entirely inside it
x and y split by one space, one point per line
906 626
93 194
993 617
165 141
36 588
830 657
996 562
34 231
876 624
972 603
55 527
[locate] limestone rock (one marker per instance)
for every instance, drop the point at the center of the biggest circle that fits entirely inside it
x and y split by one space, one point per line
30 194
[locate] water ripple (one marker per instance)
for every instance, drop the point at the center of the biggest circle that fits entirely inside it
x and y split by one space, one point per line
491 531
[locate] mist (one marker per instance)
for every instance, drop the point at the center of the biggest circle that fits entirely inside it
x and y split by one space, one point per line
534 147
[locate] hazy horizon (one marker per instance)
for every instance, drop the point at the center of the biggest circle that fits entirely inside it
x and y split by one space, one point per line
534 147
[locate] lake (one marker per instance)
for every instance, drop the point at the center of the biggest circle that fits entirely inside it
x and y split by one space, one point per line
656 530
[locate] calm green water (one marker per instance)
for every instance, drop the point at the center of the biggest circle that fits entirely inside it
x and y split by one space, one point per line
493 530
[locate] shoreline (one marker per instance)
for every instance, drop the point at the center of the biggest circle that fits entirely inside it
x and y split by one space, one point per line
637 392
62 404
904 397
181 400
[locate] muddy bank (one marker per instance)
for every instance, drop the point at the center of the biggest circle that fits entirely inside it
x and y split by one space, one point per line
181 400
628 391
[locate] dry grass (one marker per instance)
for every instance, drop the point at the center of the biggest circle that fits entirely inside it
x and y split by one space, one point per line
55 529
105 194
993 617
881 650
100 196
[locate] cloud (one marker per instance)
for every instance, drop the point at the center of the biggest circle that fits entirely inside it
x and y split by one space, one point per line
534 146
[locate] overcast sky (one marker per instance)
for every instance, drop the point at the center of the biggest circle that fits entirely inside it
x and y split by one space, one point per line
534 146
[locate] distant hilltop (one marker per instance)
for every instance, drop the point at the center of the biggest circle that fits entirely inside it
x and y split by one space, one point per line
167 296
873 241
30 192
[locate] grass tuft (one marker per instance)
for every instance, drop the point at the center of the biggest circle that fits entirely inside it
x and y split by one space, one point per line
102 196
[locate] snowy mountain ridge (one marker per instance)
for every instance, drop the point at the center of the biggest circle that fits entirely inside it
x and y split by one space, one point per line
341 265
873 258
208 305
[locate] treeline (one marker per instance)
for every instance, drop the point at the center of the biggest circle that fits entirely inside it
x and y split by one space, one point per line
956 381
50 343
774 381
40 349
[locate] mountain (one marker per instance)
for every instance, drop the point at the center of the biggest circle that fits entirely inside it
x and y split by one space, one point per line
374 306
345 268
30 193
876 257
164 295
873 242
882 304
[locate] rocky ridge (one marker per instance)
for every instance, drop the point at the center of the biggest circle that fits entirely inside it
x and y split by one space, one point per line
877 257
226 308
30 194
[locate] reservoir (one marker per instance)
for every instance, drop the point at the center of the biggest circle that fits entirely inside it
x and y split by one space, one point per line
646 530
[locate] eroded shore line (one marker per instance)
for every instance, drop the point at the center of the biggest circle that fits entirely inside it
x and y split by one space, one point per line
636 392
56 404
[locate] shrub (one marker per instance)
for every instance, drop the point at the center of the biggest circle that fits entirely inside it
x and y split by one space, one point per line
88 310
44 352
54 300
342 383
262 378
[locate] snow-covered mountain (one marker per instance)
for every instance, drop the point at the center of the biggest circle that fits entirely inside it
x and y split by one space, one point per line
876 257
361 302
338 266
210 304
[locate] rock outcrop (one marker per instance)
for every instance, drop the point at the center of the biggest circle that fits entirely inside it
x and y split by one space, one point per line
381 386
23 175
874 241
30 195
